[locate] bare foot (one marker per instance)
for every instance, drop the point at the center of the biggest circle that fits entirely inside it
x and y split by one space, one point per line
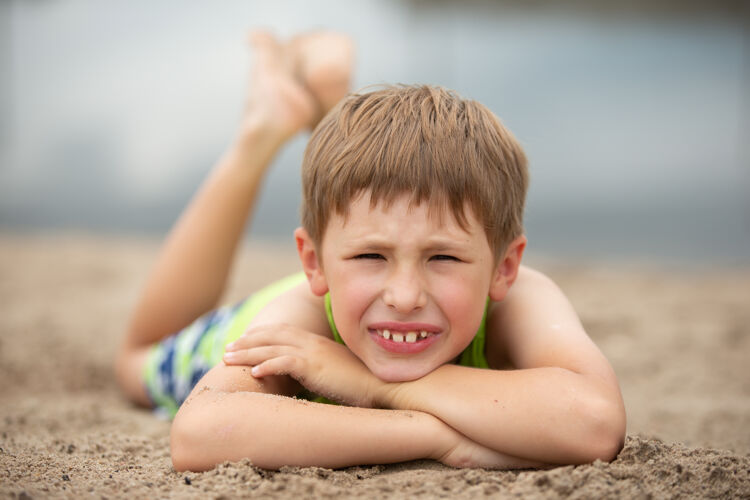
323 63
277 99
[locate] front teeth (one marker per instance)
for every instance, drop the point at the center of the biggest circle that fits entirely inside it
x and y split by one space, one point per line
409 337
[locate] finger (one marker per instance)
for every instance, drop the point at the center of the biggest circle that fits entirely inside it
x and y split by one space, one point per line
248 340
244 342
255 355
278 335
261 335
282 365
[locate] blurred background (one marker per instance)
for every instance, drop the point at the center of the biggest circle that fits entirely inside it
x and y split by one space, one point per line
636 119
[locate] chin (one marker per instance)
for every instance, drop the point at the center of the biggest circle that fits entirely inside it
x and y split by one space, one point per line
399 373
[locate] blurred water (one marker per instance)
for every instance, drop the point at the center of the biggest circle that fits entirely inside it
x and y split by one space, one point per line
635 119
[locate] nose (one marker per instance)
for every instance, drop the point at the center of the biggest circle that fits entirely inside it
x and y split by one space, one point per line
404 292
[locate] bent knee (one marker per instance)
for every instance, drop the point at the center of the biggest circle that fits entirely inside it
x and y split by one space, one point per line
128 368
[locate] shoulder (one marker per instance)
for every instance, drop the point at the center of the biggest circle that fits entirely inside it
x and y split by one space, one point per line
536 325
531 279
507 319
296 306
532 290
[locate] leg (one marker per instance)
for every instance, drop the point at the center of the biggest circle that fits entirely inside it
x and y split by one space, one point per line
191 271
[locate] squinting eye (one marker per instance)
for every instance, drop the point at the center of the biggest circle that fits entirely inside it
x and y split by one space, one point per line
369 256
445 257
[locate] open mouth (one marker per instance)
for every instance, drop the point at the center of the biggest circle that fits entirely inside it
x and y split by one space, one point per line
403 342
409 337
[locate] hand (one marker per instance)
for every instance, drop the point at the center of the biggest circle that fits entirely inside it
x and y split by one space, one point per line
465 453
319 364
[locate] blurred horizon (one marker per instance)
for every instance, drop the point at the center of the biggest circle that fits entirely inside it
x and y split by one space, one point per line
635 119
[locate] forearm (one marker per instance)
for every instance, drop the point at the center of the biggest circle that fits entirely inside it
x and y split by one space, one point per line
548 414
193 265
273 431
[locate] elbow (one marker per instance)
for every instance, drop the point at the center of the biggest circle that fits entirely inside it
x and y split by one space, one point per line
182 447
186 445
605 446
604 429
181 461
200 439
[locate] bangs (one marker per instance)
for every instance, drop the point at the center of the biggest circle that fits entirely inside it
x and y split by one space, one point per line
422 142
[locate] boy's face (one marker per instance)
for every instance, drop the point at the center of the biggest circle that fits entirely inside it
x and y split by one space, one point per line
407 291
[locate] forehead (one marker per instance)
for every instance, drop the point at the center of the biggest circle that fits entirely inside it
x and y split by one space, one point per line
401 216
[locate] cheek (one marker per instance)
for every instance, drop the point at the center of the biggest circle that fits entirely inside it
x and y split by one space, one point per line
353 294
463 301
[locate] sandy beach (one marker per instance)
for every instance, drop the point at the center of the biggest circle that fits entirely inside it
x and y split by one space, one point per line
679 340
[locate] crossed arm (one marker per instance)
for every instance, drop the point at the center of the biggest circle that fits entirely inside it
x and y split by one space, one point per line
560 404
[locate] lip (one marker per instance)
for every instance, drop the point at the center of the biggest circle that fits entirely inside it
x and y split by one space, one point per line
403 347
396 326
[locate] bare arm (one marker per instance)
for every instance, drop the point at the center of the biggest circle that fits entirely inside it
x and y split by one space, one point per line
228 417
232 415
562 404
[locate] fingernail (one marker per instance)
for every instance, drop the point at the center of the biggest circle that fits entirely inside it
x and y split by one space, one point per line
229 346
230 355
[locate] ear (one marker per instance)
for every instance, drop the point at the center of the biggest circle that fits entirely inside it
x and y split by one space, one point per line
308 256
507 269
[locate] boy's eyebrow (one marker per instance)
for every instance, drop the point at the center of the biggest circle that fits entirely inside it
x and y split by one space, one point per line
367 242
448 245
434 244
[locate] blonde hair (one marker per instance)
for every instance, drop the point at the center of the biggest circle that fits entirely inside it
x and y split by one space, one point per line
423 141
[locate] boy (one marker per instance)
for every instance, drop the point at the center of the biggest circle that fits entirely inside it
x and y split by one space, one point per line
405 315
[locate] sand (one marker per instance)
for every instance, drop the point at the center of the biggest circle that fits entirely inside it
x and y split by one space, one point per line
678 339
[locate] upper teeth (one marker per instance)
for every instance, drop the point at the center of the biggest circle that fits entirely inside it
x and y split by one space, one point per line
410 337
